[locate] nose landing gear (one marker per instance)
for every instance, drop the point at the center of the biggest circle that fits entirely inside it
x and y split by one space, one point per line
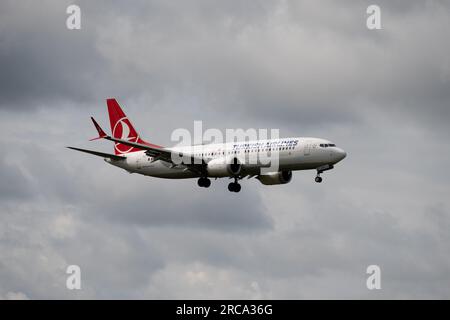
321 169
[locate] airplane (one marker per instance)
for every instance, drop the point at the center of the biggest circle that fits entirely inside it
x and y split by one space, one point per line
207 161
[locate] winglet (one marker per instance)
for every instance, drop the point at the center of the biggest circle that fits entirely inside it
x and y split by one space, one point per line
101 133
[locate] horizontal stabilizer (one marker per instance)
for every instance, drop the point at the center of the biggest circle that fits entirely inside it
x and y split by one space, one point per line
101 133
100 154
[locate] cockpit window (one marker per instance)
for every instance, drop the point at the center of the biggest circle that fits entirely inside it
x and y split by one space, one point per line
325 145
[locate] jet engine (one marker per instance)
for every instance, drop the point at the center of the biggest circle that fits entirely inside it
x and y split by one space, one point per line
280 177
224 167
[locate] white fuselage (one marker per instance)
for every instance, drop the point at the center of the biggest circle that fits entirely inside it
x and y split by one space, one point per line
292 154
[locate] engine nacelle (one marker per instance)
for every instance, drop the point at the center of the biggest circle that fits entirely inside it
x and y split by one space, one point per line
224 167
280 177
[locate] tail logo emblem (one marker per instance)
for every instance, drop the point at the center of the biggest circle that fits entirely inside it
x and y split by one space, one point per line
122 130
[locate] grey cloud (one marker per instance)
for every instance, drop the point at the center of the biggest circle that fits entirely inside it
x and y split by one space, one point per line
170 204
260 60
13 184
42 62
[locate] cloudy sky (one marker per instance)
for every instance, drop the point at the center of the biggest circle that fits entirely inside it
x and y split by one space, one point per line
307 68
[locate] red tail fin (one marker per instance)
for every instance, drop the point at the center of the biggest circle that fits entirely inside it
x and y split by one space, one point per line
122 128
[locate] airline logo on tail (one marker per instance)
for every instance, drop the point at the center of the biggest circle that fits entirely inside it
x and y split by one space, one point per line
123 130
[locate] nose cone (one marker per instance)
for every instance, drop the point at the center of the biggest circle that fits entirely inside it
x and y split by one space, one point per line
340 154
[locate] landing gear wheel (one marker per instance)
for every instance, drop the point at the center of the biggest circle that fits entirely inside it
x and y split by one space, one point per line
318 179
204 182
234 187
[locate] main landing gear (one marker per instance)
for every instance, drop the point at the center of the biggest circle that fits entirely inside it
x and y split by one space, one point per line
234 186
204 182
